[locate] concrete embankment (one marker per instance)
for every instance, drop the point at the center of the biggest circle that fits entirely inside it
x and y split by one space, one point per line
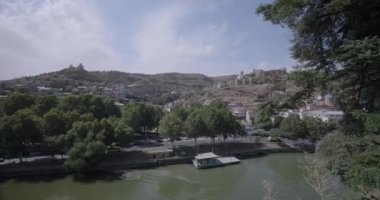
39 167
110 166
252 153
121 161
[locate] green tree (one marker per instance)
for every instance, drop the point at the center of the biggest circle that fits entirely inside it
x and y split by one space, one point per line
23 127
338 39
266 113
99 107
337 44
171 126
87 139
15 102
275 132
372 123
54 123
180 112
43 104
154 116
133 115
230 125
102 107
141 116
196 126
123 133
320 178
294 126
355 158
84 130
214 121
316 128
84 156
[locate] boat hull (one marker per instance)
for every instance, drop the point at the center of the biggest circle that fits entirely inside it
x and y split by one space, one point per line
220 162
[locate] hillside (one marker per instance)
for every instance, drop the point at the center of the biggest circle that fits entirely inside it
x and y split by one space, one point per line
256 86
115 84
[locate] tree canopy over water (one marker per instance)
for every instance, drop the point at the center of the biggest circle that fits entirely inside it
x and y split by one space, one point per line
337 46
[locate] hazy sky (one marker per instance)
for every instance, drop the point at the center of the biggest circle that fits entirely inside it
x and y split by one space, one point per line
213 37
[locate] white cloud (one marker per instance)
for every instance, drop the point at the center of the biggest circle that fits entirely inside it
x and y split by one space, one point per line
162 47
240 39
262 65
41 36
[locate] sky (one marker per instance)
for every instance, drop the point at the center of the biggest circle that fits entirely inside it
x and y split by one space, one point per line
212 37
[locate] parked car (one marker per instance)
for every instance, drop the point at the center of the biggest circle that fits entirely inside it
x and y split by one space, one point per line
260 132
113 149
274 139
159 140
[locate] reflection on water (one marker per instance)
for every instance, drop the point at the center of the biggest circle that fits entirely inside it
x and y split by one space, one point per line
242 181
130 176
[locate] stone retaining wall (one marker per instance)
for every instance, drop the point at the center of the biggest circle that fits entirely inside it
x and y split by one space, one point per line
49 168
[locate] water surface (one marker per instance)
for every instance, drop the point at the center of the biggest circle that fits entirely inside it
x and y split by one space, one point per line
242 181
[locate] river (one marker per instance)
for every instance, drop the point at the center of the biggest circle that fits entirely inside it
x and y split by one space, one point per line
242 181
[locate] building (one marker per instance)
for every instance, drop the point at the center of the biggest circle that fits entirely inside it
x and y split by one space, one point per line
168 107
259 75
287 113
239 112
324 115
249 117
160 153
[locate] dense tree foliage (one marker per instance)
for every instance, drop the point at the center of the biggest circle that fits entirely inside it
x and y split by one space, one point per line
88 144
171 126
97 106
294 126
337 44
16 102
141 116
309 127
81 126
266 116
195 125
317 129
18 130
200 120
84 127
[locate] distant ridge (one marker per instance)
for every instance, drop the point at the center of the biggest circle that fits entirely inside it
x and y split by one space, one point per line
158 88
134 84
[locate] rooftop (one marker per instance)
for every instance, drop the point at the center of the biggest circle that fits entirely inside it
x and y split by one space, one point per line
326 112
205 156
160 151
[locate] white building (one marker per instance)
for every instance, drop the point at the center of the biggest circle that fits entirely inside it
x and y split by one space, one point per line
287 113
239 112
168 107
324 115
248 117
237 109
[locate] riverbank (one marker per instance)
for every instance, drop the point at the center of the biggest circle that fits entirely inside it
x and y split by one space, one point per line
139 159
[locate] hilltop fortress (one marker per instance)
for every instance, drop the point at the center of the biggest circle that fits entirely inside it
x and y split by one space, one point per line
257 76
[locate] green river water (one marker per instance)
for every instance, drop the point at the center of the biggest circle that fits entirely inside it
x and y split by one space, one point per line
242 181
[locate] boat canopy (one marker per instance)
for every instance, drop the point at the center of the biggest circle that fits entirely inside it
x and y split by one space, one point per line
205 156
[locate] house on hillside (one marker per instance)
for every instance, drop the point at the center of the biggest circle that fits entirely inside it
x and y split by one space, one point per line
324 115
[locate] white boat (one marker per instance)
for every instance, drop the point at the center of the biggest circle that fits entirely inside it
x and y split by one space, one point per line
209 160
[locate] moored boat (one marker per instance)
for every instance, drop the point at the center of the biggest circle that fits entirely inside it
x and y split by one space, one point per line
209 160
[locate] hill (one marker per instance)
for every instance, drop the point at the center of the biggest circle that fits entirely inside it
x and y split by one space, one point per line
255 86
115 84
